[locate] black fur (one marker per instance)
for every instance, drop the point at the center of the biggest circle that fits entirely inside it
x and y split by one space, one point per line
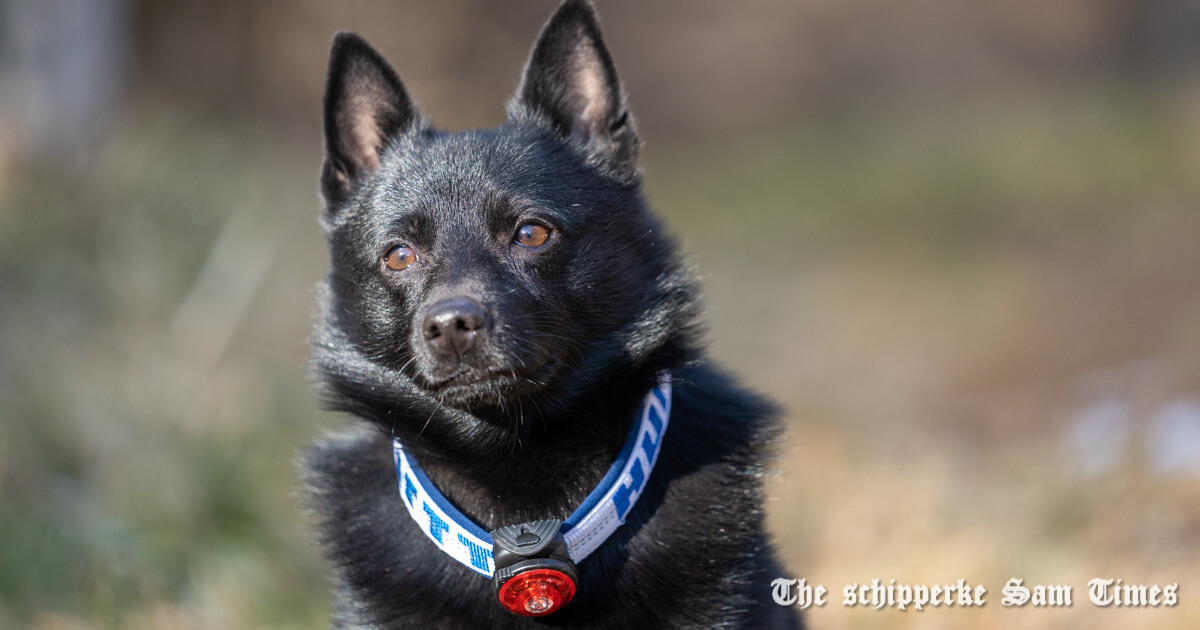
523 417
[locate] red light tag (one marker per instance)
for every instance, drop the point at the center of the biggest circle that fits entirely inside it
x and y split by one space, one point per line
537 592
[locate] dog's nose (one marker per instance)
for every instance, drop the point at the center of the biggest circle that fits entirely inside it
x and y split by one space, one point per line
452 326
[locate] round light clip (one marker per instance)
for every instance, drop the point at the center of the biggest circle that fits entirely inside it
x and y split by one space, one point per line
537 592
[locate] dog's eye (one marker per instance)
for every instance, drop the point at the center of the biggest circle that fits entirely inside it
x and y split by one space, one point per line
532 235
399 258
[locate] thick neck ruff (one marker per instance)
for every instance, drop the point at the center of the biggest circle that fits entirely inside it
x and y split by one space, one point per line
600 514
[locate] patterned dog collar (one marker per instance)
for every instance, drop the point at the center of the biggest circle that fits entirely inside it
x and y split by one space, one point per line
600 514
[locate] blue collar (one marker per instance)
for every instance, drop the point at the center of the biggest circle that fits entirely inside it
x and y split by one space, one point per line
600 514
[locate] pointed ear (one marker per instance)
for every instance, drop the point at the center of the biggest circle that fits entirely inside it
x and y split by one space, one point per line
366 106
570 84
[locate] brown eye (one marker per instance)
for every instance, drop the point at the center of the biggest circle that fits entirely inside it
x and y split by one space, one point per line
399 258
532 235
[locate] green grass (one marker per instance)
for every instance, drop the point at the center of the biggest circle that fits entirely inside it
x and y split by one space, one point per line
991 176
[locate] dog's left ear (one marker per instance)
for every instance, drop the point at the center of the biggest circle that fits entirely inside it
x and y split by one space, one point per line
570 83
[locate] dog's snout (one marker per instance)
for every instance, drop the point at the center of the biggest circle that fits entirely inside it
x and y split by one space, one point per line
452 326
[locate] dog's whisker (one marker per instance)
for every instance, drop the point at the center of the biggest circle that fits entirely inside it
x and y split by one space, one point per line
430 418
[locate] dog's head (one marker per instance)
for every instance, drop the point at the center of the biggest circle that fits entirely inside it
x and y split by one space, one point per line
480 269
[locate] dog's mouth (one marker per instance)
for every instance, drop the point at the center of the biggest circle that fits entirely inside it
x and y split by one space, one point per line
467 387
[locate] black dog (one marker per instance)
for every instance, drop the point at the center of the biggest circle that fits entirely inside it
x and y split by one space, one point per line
500 304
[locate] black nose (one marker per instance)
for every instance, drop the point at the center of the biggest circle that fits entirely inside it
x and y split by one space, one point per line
453 326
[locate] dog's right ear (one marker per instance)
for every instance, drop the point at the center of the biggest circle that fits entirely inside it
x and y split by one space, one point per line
366 106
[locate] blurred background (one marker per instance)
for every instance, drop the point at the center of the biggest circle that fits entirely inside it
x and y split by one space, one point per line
967 236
